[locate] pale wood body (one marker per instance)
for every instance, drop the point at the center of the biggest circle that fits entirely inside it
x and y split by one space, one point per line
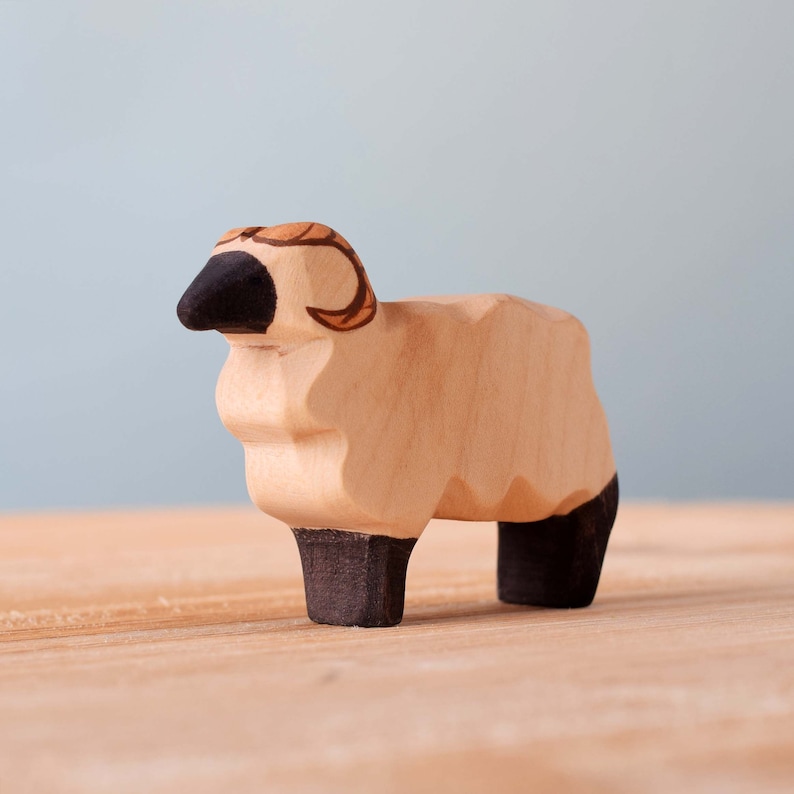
472 407
375 417
169 651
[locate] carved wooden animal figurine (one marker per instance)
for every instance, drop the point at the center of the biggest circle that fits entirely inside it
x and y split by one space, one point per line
361 421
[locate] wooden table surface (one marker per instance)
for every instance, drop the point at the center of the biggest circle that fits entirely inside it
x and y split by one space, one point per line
169 651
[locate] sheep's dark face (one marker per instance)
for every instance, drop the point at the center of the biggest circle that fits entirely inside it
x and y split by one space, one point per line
233 294
289 281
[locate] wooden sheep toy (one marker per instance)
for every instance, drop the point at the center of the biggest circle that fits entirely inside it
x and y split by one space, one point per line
361 421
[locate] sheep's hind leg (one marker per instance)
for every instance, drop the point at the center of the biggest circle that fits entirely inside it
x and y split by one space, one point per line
557 562
352 578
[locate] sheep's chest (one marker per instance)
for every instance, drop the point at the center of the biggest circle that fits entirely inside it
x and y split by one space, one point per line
262 390
293 463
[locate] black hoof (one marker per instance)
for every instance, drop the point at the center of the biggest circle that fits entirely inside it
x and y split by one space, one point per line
557 562
353 579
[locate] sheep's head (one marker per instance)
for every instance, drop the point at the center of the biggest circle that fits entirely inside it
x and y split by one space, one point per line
289 281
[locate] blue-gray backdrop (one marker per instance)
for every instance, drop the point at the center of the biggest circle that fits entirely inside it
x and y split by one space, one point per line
630 162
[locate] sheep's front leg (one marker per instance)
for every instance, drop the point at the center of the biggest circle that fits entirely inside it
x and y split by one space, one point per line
352 578
557 562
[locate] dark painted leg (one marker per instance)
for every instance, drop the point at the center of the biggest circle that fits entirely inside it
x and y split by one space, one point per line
557 562
353 579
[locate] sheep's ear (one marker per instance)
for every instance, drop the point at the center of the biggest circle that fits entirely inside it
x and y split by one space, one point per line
360 311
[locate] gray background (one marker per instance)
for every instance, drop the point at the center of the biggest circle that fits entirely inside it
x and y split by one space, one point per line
630 162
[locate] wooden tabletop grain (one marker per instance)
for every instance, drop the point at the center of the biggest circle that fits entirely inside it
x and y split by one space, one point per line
169 651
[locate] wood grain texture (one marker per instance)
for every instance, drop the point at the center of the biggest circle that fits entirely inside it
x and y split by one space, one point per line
169 651
375 417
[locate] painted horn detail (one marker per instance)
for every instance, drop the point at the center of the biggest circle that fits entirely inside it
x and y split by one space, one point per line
361 310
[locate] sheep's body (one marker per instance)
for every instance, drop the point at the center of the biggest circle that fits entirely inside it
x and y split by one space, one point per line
478 408
361 421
